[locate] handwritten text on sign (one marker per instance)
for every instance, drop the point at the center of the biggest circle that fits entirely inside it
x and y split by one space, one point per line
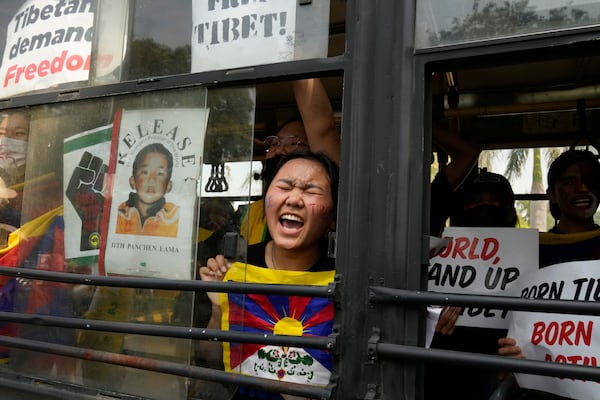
483 261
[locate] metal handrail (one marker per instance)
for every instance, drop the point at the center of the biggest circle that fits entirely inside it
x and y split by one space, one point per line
215 335
386 295
488 361
171 284
172 368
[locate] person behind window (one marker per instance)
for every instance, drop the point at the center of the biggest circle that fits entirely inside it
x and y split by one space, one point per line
301 202
486 200
14 137
37 243
574 193
316 132
146 212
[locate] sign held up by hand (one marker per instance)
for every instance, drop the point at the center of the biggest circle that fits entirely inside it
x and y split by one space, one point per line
485 261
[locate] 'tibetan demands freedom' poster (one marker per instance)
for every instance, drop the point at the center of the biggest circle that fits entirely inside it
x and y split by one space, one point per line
155 163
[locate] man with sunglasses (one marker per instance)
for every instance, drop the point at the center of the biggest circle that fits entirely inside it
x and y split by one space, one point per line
316 131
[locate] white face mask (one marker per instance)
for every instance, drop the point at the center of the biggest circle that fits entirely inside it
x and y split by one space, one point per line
12 153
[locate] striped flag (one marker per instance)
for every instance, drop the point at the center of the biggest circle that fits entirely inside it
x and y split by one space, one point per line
277 315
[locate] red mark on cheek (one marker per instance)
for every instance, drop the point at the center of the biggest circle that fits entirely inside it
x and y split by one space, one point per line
319 210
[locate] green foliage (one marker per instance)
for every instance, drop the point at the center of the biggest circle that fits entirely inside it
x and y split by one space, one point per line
516 163
149 58
490 19
230 124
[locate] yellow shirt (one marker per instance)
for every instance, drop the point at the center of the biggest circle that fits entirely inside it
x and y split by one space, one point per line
254 223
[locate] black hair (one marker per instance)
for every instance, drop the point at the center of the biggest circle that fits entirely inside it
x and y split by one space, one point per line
488 182
154 148
294 118
330 167
483 182
560 165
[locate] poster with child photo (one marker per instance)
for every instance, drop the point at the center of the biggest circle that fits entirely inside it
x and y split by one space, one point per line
155 165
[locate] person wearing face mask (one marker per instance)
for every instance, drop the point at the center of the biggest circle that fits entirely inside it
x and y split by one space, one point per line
485 200
574 193
14 136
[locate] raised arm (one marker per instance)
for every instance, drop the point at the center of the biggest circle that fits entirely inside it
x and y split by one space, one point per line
317 116
463 155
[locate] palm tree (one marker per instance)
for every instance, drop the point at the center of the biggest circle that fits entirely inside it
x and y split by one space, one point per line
538 210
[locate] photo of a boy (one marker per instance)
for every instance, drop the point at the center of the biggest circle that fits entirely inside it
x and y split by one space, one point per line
146 212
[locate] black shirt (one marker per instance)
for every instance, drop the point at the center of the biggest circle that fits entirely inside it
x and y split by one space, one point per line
256 256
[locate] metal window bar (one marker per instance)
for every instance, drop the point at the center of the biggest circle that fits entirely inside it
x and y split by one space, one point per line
488 361
170 331
385 295
215 335
310 391
170 284
167 367
379 294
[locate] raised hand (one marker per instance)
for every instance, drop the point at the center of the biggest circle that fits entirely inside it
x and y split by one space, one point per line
85 191
214 271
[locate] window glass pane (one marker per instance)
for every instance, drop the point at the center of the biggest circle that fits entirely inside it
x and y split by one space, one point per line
54 202
440 23
160 39
47 45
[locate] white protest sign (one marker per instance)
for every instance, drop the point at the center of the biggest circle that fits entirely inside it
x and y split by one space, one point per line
155 167
48 42
237 33
567 339
484 261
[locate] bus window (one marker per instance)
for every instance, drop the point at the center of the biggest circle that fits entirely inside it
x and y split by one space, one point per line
147 186
472 20
511 117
